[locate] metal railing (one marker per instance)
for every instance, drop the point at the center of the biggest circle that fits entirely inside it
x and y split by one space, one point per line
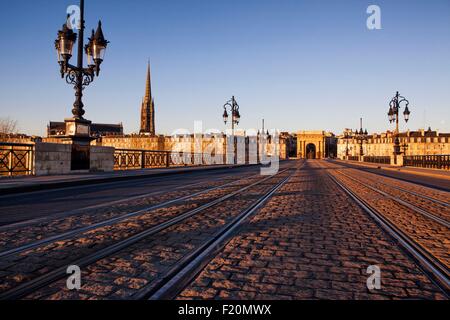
378 159
130 159
434 162
16 159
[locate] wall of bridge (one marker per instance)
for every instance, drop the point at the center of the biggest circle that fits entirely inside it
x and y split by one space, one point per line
52 158
55 159
206 144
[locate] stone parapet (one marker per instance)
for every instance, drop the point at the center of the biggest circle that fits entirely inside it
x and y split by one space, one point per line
55 159
52 159
102 159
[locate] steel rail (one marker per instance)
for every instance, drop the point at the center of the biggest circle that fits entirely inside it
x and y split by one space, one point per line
57 215
31 286
409 205
385 174
436 271
178 277
443 203
108 222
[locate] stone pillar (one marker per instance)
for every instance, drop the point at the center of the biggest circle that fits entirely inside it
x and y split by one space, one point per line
102 159
52 159
299 151
304 150
319 151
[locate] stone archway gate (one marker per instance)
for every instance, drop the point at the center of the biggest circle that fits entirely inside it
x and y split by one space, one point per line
318 138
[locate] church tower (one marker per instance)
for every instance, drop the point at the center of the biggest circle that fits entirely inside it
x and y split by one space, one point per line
148 108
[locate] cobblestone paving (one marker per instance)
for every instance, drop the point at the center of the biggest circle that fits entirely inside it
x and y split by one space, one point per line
433 236
25 266
125 273
388 185
310 242
20 236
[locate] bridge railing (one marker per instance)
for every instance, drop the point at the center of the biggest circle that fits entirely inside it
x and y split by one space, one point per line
130 159
434 162
378 159
16 159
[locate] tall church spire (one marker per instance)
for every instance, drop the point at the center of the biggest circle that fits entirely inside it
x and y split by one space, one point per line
148 85
148 108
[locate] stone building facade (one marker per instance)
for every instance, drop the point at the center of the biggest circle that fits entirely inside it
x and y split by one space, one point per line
19 138
57 129
413 143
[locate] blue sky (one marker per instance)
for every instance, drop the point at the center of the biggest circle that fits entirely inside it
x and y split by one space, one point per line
300 64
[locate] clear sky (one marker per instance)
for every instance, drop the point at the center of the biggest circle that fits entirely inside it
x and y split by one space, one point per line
300 64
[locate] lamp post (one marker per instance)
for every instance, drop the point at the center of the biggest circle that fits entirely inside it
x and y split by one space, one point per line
394 110
361 136
78 128
233 106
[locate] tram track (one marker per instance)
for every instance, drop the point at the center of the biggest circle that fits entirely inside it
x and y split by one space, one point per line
176 279
27 235
407 204
28 287
107 204
435 269
108 222
387 174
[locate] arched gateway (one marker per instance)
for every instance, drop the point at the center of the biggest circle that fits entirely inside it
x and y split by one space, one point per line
310 151
311 144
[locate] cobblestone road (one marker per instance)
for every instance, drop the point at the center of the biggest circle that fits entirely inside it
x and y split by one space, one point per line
123 274
310 242
27 265
430 234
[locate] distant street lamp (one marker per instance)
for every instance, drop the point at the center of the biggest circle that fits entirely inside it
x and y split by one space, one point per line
361 136
235 115
233 106
78 76
394 109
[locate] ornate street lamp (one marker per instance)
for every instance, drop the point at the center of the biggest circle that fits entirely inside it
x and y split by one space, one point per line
233 107
235 115
361 136
77 127
64 46
96 48
393 114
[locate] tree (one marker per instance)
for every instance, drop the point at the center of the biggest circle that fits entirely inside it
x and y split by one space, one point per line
7 126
